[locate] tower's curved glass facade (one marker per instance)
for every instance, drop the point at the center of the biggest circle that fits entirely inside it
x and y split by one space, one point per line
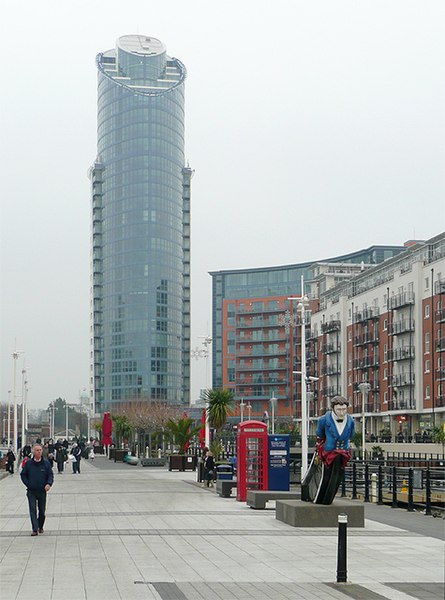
140 228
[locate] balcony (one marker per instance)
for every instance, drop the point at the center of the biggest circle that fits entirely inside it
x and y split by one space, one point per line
250 310
402 353
401 380
399 405
249 339
262 367
402 299
367 314
440 374
330 370
402 326
331 390
440 316
331 326
331 348
366 338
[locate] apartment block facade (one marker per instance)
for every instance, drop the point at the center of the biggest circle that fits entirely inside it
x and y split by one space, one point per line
382 324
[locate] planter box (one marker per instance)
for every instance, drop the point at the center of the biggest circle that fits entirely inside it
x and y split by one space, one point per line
118 454
182 462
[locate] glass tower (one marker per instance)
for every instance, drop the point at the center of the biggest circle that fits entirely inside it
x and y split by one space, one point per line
140 277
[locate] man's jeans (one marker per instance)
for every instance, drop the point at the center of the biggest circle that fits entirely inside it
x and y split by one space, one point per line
36 500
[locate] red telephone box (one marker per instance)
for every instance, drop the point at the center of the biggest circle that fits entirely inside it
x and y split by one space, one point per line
251 458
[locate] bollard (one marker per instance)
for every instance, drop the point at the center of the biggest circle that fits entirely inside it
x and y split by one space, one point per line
428 493
366 499
341 549
410 491
146 452
380 497
374 487
394 488
354 481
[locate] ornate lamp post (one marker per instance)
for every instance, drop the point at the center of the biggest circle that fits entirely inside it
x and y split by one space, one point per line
303 303
198 353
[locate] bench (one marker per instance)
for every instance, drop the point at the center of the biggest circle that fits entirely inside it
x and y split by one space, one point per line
257 498
153 462
224 487
307 514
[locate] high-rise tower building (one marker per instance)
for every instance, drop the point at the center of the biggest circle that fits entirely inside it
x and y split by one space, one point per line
140 281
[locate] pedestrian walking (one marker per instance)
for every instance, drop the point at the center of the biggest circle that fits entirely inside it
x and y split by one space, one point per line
209 469
77 453
10 460
26 451
38 478
61 458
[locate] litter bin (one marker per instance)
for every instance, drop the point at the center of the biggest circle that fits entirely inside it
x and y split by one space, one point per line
224 472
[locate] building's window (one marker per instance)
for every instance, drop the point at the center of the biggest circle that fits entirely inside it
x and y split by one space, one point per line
385 353
349 335
427 311
427 366
385 373
385 324
427 343
385 398
427 392
427 283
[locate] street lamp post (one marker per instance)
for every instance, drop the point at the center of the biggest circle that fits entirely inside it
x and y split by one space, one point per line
9 417
273 402
364 388
15 356
24 382
242 404
303 302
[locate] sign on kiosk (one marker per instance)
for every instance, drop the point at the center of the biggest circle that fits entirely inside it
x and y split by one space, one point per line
251 458
278 477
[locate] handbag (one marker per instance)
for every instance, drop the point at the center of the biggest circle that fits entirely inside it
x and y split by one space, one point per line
71 457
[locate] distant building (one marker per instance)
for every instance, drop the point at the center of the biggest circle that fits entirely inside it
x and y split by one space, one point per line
272 282
140 258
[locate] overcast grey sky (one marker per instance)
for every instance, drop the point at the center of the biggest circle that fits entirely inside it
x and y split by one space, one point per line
315 129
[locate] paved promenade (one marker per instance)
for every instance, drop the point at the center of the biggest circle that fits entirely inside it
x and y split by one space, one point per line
118 532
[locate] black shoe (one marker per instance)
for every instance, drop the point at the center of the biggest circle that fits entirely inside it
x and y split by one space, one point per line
34 533
40 529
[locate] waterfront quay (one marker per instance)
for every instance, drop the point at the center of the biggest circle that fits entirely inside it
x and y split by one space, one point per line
123 532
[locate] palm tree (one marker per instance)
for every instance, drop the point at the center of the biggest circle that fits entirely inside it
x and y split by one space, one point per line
182 431
122 427
219 406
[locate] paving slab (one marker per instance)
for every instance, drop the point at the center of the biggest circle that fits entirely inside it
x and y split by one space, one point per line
130 532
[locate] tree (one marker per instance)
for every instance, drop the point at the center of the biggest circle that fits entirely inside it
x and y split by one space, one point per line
219 406
150 417
182 431
439 436
121 427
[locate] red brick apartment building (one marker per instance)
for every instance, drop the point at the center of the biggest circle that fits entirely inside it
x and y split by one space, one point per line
383 325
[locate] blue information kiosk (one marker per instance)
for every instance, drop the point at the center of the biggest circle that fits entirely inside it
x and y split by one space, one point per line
278 455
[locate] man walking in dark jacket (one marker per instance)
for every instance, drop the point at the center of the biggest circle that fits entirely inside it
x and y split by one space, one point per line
38 477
